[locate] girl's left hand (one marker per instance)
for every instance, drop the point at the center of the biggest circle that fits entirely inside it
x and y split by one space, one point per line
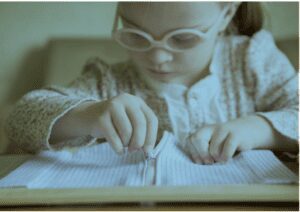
219 142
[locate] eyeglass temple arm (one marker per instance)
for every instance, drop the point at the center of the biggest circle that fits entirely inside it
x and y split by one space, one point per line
115 25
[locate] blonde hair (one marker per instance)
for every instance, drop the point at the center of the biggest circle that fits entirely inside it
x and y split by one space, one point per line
249 18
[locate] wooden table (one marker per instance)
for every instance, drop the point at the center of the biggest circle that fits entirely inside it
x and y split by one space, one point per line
205 197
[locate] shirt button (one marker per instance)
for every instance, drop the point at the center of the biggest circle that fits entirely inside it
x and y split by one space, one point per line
193 96
193 102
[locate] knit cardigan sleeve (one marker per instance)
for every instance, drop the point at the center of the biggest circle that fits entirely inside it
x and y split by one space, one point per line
29 124
275 84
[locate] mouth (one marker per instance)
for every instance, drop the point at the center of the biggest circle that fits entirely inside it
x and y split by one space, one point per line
160 72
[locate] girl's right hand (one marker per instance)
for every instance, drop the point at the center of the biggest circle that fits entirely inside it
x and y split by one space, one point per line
125 121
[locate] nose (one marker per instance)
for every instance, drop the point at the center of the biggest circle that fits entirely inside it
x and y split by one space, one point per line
159 56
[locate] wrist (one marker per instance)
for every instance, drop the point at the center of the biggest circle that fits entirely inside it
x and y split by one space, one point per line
88 116
75 123
271 138
85 117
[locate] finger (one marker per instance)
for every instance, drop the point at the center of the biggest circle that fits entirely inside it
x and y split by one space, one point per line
229 148
138 123
111 134
152 127
122 124
193 153
216 143
200 141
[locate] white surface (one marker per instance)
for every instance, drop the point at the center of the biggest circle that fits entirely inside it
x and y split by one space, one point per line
99 166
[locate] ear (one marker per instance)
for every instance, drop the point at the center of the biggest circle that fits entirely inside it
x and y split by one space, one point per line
231 10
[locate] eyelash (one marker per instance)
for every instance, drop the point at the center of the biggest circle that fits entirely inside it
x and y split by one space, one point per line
182 38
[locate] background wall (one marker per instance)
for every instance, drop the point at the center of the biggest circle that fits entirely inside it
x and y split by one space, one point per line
282 19
26 27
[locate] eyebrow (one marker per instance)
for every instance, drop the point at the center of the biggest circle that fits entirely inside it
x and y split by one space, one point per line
204 28
131 23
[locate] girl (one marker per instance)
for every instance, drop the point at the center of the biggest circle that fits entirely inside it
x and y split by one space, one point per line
204 70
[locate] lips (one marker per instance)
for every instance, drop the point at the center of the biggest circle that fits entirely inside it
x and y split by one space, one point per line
161 72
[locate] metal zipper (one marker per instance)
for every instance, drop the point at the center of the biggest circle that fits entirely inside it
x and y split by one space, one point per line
149 170
150 162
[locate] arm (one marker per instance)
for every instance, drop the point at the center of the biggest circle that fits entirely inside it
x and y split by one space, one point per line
55 118
30 122
124 121
76 123
276 87
273 139
275 124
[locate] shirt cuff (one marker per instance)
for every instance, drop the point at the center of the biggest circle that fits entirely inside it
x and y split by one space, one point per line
80 141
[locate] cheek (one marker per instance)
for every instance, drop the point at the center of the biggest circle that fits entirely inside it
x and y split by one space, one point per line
137 57
200 55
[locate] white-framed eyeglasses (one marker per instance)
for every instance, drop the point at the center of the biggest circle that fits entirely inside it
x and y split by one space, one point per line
176 41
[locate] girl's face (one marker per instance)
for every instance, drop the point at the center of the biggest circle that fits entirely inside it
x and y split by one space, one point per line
159 18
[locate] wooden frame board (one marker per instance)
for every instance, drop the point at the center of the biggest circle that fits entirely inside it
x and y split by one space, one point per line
201 193
208 193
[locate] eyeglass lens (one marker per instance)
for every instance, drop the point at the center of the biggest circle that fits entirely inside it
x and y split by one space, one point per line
180 41
184 41
134 40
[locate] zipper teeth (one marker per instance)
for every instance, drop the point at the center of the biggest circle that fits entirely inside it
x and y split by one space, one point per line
152 156
145 171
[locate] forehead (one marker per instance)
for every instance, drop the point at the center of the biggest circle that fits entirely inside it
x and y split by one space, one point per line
163 16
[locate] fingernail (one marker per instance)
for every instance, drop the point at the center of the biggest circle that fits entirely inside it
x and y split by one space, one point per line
223 158
120 152
134 149
218 158
198 160
208 161
147 149
130 150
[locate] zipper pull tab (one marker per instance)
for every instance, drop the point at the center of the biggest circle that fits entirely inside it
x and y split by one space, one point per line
149 156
